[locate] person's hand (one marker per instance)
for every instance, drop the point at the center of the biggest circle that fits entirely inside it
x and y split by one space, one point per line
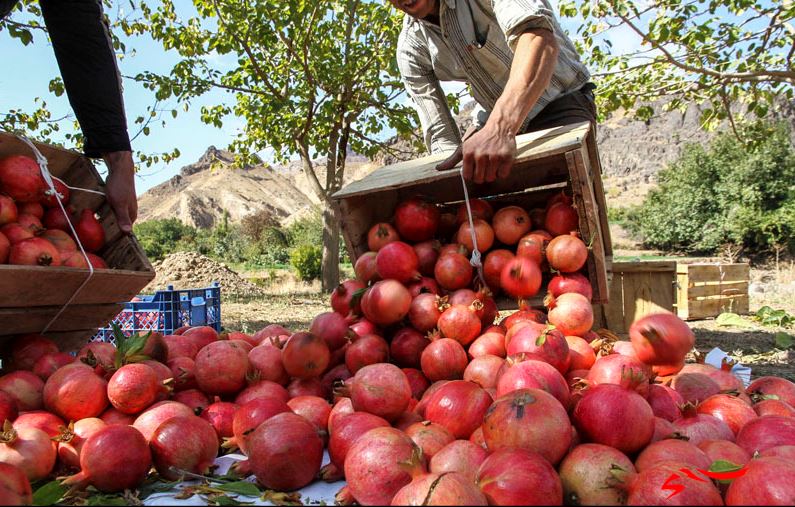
120 188
489 154
458 155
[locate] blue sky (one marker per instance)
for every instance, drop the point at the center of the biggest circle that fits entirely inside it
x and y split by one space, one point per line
30 68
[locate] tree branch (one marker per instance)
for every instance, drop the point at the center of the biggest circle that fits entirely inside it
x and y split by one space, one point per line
309 169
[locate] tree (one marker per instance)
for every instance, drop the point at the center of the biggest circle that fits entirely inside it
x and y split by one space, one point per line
718 52
312 79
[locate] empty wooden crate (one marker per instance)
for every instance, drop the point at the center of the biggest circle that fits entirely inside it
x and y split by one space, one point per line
562 158
709 289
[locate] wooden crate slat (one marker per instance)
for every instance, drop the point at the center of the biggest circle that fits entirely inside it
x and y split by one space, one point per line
33 320
68 341
644 266
636 290
717 289
593 165
706 308
614 310
715 272
423 170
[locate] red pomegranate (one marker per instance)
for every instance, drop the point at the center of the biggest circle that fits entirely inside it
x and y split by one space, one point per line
8 407
594 474
61 194
566 253
332 328
425 311
265 363
72 438
21 179
249 416
484 235
305 387
345 298
461 456
221 415
14 485
459 406
479 208
774 407
775 386
570 282
90 231
571 314
451 488
443 359
532 246
485 370
550 345
430 437
532 373
30 222
312 408
54 218
427 255
461 323
5 248
185 443
133 388
31 208
75 392
34 252
386 302
25 388
510 224
347 430
581 354
612 415
407 346
380 463
49 423
698 427
262 389
113 416
453 271
379 235
622 370
489 343
201 335
493 264
729 409
520 278
196 400
514 476
723 450
765 432
695 489
694 387
767 481
28 348
416 219
422 286
183 371
364 351
381 389
180 346
113 459
672 449
665 402
398 261
561 218
8 210
221 367
151 418
365 268
275 331
48 364
661 338
29 449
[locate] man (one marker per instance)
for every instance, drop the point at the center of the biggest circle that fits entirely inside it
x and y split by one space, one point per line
85 55
520 66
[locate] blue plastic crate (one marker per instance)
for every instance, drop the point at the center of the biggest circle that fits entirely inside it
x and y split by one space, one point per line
167 310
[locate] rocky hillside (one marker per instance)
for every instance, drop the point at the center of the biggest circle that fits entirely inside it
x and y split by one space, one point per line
632 152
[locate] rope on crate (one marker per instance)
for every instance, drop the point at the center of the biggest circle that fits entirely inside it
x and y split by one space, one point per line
475 260
48 178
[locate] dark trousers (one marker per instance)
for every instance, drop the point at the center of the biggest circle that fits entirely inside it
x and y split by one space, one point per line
575 107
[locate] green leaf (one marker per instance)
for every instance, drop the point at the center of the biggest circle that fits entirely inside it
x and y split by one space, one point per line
49 494
732 320
723 466
784 340
241 488
226 500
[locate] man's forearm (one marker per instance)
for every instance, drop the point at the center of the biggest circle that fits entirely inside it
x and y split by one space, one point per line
533 65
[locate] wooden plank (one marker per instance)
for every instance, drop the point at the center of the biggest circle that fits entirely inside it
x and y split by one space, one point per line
68 341
662 291
614 310
718 289
33 320
706 308
644 267
594 166
715 272
530 147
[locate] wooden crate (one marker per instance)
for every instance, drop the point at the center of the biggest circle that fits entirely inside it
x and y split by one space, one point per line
637 289
30 296
707 290
547 162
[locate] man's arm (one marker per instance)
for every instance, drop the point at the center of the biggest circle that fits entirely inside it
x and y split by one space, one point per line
490 152
85 55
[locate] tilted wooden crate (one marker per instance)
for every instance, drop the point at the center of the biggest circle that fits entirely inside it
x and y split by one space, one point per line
547 162
707 290
30 296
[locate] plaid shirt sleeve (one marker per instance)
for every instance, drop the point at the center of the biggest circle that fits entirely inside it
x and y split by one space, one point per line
438 126
516 17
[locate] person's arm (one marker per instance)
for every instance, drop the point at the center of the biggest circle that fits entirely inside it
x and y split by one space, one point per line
489 153
438 126
85 55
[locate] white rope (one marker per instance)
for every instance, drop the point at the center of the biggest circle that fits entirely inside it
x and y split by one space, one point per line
48 178
475 260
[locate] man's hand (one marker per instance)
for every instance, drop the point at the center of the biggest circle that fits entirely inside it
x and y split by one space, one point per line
458 155
120 188
489 154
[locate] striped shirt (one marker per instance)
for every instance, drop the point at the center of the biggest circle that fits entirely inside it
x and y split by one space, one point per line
474 43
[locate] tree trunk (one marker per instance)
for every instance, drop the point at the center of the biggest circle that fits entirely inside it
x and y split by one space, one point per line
331 249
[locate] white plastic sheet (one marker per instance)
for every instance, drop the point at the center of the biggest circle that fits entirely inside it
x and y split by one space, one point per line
715 356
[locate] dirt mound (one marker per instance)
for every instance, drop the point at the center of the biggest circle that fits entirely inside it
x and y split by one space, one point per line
191 270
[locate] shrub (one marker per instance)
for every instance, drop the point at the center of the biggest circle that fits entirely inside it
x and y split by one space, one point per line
306 260
159 238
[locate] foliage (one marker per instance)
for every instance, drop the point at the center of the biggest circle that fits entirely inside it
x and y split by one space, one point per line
730 193
306 260
718 52
161 237
767 316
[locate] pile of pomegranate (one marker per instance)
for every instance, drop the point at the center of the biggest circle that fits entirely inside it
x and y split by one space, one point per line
417 395
34 230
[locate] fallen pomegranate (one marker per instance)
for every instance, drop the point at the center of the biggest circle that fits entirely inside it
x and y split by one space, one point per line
186 443
514 476
450 488
75 392
14 485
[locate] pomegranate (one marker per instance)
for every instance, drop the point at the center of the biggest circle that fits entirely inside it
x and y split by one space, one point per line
34 252
453 271
28 449
345 298
265 364
31 208
31 223
90 232
48 423
14 485
221 367
180 346
612 415
332 377
461 456
765 432
520 278
113 459
379 235
485 370
183 371
581 354
407 346
312 408
15 233
381 389
151 418
8 210
425 311
479 208
113 416
693 488
201 335
77 260
21 179
398 261
561 218
698 427
419 384
493 264
571 314
365 268
380 463
665 402
262 389
364 351
532 373
430 437
61 194
767 481
332 328
5 248
594 474
133 388
781 451
461 323
550 345
427 255
54 218
25 388
305 387
729 409
71 439
484 235
519 477
774 386
566 253
451 488
443 359
196 400
249 416
672 449
774 407
75 392
422 286
622 370
28 348
347 430
694 387
186 443
8 407
417 219
532 246
570 282
264 335
510 224
458 406
221 415
661 338
386 302
489 343
723 450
